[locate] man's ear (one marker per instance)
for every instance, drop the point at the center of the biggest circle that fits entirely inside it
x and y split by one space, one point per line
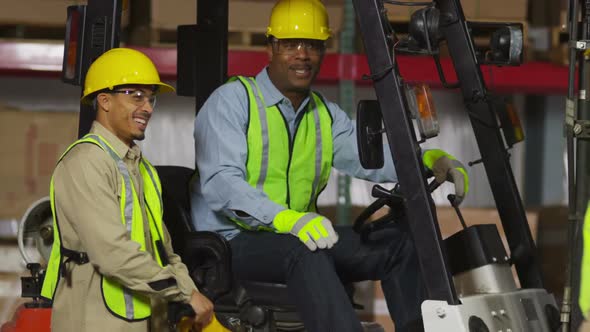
103 101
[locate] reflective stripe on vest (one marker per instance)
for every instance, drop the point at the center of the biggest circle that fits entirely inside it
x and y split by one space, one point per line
584 298
292 172
120 301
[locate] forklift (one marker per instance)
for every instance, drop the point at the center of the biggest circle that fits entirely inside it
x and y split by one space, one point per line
468 276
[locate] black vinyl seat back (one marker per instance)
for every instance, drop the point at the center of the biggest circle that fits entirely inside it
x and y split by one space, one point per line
176 198
207 255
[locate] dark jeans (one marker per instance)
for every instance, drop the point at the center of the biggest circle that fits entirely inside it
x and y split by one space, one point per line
314 279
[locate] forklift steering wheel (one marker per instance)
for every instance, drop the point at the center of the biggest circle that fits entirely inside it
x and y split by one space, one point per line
393 199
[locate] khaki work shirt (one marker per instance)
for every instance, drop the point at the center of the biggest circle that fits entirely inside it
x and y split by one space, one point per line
87 195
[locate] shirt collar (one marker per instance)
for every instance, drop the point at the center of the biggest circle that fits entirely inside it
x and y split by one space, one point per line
271 94
119 146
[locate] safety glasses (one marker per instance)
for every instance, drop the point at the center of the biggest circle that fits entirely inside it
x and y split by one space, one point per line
138 97
292 46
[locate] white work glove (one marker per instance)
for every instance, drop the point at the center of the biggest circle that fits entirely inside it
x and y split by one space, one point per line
445 167
312 229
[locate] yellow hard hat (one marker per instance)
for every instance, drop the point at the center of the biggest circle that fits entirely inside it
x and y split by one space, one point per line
185 325
121 66
306 19
215 326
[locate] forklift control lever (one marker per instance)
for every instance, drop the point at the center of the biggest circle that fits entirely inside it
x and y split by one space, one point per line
475 162
453 200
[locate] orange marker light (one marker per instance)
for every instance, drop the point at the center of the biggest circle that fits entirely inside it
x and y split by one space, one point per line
515 121
73 32
423 109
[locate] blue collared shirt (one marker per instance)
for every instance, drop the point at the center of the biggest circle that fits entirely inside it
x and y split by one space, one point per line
221 190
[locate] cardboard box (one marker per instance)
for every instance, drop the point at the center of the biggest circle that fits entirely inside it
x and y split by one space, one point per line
552 247
32 144
548 13
244 15
450 224
36 12
481 10
498 10
45 13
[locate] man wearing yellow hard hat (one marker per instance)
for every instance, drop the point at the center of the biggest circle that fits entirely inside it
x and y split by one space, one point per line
265 147
112 267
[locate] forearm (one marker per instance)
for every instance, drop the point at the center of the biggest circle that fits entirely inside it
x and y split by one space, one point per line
347 161
231 195
184 280
143 274
115 256
346 156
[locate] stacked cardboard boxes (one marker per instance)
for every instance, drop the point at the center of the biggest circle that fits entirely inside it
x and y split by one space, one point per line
36 12
247 19
32 144
477 10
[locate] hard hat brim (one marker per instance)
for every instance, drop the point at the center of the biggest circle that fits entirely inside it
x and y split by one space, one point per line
165 87
299 35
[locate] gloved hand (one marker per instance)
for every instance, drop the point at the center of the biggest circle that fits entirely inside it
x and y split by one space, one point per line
445 167
312 229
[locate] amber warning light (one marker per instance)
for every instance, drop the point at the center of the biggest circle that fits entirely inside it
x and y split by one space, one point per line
73 45
422 108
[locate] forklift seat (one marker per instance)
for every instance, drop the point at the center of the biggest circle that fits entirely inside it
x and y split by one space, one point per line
264 306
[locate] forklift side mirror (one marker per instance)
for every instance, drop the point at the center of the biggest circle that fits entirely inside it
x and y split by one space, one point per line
369 134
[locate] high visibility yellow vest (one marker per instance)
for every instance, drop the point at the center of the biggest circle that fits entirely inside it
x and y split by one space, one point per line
584 298
291 172
120 301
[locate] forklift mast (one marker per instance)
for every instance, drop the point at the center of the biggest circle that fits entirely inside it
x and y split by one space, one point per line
406 152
